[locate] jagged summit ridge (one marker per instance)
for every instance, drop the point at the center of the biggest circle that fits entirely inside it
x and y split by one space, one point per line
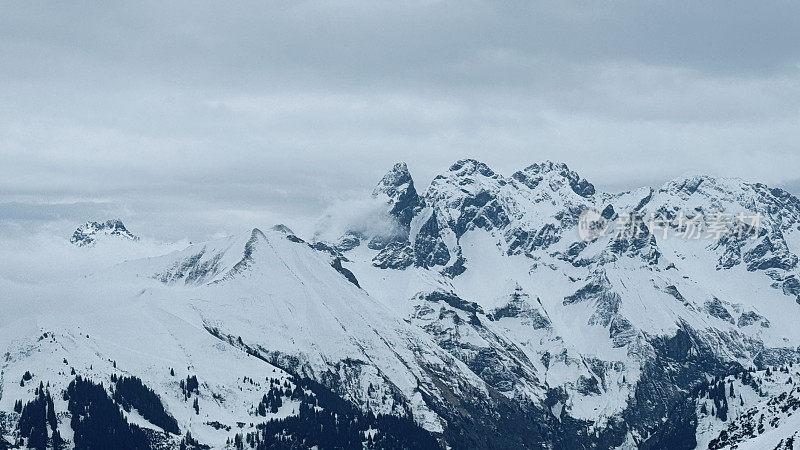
535 208
535 173
533 205
467 167
88 233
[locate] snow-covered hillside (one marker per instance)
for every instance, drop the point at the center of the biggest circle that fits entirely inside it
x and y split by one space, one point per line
478 318
753 409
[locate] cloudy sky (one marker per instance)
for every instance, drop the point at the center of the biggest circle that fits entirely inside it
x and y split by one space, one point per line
191 119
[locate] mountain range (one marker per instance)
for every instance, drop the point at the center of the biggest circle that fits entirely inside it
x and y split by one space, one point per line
481 316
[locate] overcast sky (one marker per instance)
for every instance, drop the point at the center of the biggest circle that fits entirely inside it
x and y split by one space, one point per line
190 119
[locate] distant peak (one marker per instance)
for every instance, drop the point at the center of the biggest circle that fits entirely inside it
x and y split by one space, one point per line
281 228
690 183
87 233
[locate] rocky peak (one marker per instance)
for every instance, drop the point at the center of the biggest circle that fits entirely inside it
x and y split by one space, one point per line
397 179
547 166
397 187
557 174
465 178
469 191
87 233
689 185
466 167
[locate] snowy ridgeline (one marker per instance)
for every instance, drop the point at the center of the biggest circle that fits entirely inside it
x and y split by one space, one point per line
473 316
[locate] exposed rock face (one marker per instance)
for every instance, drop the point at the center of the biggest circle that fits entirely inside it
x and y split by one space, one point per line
718 310
536 173
395 255
520 306
397 188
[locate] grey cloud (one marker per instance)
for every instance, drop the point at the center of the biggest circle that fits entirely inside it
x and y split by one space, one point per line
207 116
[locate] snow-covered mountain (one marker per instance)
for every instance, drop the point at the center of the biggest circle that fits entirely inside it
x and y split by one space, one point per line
90 232
480 319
